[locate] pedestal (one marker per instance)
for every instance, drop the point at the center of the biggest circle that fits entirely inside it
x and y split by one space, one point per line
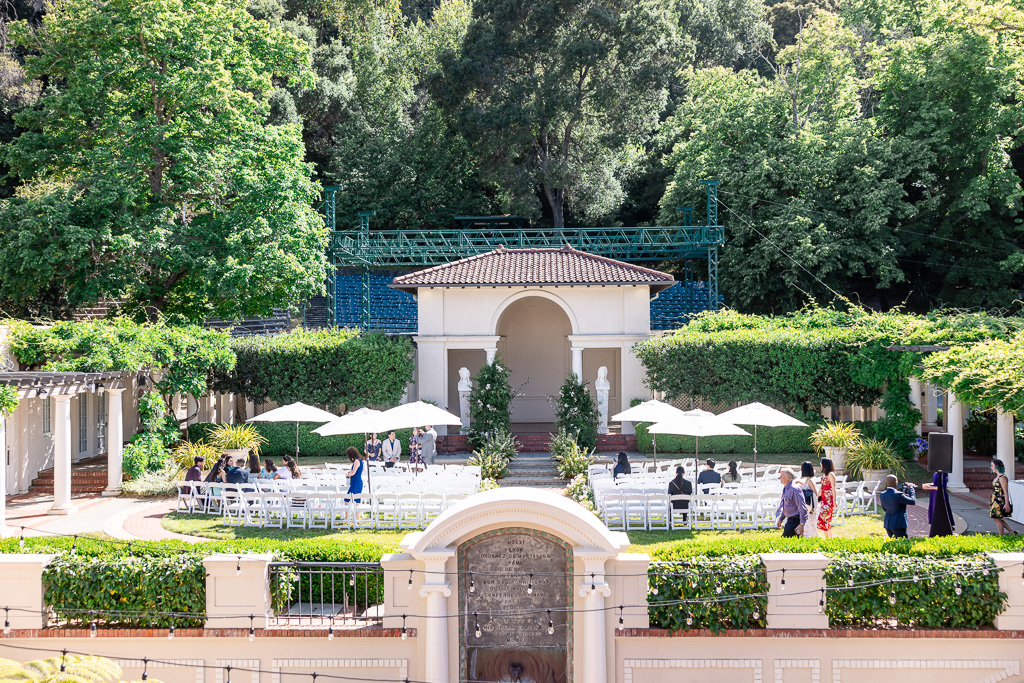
237 585
603 388
795 590
436 590
594 589
115 441
62 456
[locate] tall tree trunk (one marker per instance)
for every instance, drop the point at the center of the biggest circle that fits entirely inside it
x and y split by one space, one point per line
556 200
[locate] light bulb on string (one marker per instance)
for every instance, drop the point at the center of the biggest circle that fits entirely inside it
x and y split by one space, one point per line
472 583
170 633
593 583
782 583
551 624
92 629
917 577
689 618
652 589
74 545
821 602
849 581
622 622
957 589
405 632
145 668
238 566
718 587
529 586
476 620
410 579
352 580
330 632
227 669
21 539
892 597
7 621
757 614
252 628
63 656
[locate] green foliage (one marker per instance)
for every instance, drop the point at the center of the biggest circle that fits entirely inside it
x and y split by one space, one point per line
158 484
237 436
8 399
145 453
184 456
63 669
922 603
769 440
989 374
128 591
490 402
572 459
702 579
184 354
579 491
135 188
334 367
280 439
576 412
835 435
494 456
872 454
154 419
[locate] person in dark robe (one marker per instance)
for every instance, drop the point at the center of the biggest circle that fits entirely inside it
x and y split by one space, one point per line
940 515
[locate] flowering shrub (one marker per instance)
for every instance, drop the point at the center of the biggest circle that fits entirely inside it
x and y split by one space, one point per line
499 448
490 403
488 484
579 491
572 460
577 412
920 445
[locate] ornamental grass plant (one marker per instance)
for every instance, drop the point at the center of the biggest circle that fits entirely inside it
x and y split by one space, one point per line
873 454
834 435
237 436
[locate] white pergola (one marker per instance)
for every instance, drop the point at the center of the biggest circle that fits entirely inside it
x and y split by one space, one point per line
61 387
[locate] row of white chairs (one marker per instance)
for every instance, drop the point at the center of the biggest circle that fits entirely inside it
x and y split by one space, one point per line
242 505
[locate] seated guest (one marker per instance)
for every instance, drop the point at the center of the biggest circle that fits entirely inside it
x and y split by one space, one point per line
895 502
291 468
680 486
195 473
217 473
733 475
372 448
621 465
391 449
708 477
239 474
269 469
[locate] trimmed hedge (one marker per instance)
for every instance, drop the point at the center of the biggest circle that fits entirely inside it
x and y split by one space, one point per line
280 438
706 578
131 591
923 603
331 367
771 542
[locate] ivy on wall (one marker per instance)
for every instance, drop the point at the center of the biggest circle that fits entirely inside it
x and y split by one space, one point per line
8 400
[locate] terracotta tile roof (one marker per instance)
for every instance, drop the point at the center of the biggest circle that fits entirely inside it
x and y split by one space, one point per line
565 266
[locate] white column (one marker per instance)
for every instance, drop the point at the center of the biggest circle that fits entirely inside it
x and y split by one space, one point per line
61 455
955 425
931 404
1004 441
594 589
577 361
916 399
436 590
492 353
4 531
603 387
465 389
115 441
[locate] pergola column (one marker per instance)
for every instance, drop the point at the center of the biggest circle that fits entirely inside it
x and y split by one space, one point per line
577 361
436 590
115 441
1004 440
916 399
492 353
955 422
61 455
4 531
594 589
930 406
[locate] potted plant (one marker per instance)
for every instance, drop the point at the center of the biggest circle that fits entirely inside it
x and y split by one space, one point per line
873 460
835 438
237 440
920 448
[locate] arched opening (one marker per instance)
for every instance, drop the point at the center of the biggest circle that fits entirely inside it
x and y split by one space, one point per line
534 343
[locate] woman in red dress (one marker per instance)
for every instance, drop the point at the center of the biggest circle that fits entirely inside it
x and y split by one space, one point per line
828 497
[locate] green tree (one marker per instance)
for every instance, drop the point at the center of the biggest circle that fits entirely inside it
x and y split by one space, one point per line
150 173
558 95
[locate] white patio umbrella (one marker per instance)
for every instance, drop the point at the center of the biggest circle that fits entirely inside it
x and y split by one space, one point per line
417 414
759 414
362 421
649 411
294 412
697 423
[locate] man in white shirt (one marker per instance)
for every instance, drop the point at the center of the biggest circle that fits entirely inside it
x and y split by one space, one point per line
391 450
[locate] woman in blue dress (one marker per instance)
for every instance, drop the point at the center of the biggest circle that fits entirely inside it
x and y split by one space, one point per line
354 475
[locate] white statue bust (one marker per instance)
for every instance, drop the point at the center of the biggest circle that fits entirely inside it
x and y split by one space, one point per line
602 379
464 382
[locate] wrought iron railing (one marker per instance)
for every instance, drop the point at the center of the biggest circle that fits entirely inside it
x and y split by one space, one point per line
326 593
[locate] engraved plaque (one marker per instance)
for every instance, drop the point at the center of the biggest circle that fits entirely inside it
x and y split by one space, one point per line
509 608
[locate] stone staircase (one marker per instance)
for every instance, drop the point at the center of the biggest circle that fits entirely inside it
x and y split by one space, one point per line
87 476
533 469
978 478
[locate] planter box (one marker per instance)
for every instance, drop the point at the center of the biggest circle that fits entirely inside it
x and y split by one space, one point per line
837 454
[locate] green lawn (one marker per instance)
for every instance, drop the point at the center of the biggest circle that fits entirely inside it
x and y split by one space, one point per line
208 526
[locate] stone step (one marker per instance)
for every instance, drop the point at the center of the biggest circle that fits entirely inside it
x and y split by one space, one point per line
550 482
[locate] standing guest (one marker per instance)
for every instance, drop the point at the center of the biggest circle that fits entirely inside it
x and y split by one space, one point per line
708 477
940 515
791 508
680 486
217 473
733 475
269 470
239 474
827 497
372 448
810 499
391 450
428 448
622 466
415 454
354 475
1000 507
895 502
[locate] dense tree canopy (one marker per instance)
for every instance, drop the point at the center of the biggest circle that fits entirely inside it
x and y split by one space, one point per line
870 149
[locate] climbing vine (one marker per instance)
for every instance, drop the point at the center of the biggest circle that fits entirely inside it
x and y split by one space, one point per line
8 399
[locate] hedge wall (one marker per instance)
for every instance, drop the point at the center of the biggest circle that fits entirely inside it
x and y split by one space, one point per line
335 367
702 578
280 438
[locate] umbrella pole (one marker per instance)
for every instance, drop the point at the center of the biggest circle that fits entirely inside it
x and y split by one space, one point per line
296 441
655 439
755 452
369 485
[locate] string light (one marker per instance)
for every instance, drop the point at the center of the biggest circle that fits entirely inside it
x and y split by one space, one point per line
252 628
314 677
74 545
917 577
410 579
551 625
756 614
652 589
892 597
718 587
529 586
622 622
92 630
689 617
228 678
21 539
593 583
7 621
782 583
956 588
821 603
170 633
352 580
63 656
476 620
238 566
405 631
472 583
330 631
145 668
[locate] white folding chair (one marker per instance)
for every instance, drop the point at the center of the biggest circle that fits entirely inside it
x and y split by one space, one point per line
274 506
636 511
185 497
747 513
386 505
680 514
613 511
658 512
431 506
409 511
318 511
726 513
295 509
252 505
231 504
702 513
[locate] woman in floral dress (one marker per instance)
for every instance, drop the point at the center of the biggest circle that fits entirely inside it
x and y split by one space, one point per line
1000 508
415 455
828 498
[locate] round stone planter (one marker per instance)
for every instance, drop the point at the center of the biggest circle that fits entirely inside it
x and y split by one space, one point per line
874 475
837 454
236 453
